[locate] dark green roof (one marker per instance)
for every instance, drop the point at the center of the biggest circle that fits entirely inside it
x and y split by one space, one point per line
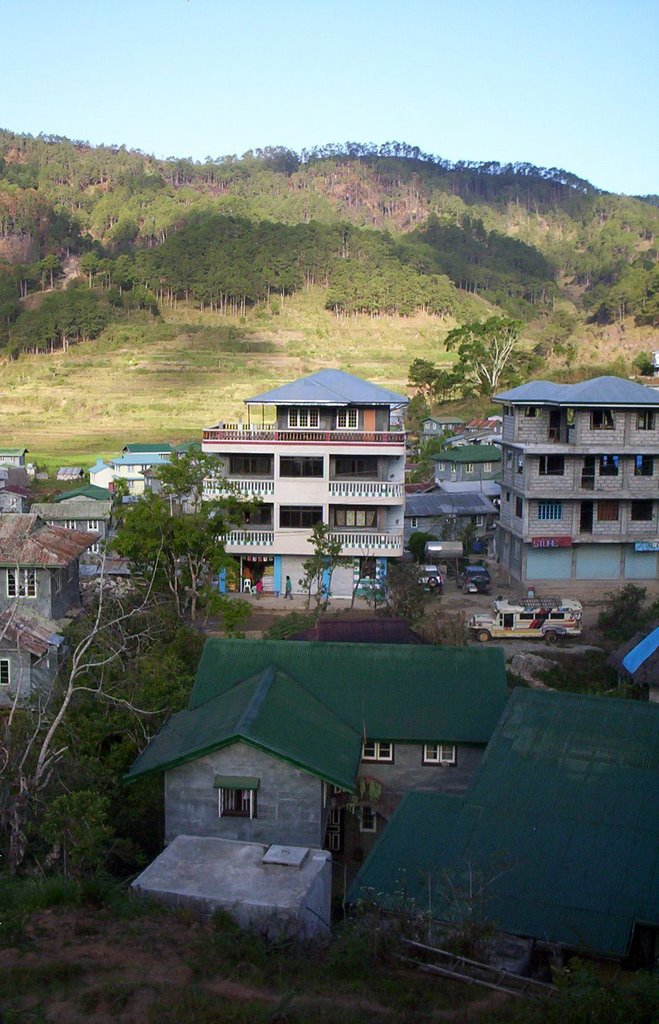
269 710
187 446
147 449
561 824
86 491
400 692
323 698
470 453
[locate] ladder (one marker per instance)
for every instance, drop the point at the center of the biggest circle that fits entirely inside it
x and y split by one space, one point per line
474 972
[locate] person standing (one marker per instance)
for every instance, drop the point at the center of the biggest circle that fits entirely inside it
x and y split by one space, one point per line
259 589
288 589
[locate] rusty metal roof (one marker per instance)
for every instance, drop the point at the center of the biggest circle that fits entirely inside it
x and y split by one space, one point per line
25 633
26 540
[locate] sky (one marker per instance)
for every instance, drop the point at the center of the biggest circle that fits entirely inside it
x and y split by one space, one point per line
571 84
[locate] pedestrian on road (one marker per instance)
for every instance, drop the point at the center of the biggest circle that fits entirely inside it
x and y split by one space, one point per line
288 590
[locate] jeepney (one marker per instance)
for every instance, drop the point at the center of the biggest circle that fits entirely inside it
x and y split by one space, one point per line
546 618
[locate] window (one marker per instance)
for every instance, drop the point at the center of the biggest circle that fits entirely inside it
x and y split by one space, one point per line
645 419
259 515
601 419
480 521
303 417
440 753
552 465
487 467
643 465
21 583
359 517
641 511
58 579
609 465
468 467
520 463
92 524
236 796
550 510
347 466
507 497
346 419
368 821
531 411
250 465
374 751
414 522
519 507
4 671
291 465
607 511
299 517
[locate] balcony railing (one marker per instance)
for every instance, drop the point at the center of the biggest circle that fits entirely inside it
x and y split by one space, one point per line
368 541
258 488
251 538
266 435
365 489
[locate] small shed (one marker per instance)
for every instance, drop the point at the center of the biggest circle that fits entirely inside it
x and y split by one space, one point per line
281 891
637 661
70 474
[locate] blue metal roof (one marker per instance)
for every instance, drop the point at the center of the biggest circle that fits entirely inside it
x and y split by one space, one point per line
446 503
329 387
643 650
597 391
145 459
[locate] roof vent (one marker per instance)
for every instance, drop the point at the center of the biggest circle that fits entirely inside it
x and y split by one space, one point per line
289 856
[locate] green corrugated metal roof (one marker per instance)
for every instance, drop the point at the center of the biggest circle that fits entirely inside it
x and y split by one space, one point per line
147 449
270 710
87 491
470 453
236 782
399 692
561 825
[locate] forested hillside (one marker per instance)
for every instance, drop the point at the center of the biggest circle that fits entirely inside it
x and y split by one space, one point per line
383 230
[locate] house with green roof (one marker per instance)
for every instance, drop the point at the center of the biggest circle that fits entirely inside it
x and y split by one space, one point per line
12 456
279 735
471 467
558 833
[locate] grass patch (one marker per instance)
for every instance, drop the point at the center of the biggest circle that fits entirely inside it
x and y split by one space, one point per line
16 981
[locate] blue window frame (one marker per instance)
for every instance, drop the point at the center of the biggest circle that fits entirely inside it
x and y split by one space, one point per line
550 510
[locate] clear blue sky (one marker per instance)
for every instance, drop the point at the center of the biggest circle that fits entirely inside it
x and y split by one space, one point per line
571 84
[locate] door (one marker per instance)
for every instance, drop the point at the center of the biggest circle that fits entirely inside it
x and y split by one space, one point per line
554 424
508 621
588 473
369 420
586 517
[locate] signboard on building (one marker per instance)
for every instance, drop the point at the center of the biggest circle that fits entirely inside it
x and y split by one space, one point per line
551 542
646 545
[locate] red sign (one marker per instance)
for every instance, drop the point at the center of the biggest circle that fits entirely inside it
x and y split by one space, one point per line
551 542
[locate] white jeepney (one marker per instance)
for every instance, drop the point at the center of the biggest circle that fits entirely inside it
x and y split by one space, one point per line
547 618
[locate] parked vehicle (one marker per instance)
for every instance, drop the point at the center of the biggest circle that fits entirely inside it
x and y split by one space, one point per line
431 578
475 579
547 618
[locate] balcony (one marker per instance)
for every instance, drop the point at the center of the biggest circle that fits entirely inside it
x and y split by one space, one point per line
250 538
365 489
364 542
249 488
235 434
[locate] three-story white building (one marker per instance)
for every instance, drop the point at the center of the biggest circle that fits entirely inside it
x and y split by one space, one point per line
327 448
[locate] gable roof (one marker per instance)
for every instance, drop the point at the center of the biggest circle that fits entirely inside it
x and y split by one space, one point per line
147 449
608 391
448 503
22 632
137 459
90 491
397 692
329 387
26 540
81 508
560 824
269 710
12 453
470 453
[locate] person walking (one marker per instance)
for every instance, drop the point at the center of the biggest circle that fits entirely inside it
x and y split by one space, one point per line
288 589
259 589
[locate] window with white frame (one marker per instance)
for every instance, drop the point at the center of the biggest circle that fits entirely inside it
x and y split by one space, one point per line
21 583
376 751
303 418
368 820
487 467
347 419
468 467
414 522
5 676
92 524
236 796
440 753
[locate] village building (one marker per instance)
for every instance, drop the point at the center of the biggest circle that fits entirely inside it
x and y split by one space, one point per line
580 501
473 467
39 589
449 515
438 426
315 744
323 449
88 515
555 840
13 456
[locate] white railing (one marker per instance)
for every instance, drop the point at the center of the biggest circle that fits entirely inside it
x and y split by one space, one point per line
251 538
370 541
261 488
365 489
